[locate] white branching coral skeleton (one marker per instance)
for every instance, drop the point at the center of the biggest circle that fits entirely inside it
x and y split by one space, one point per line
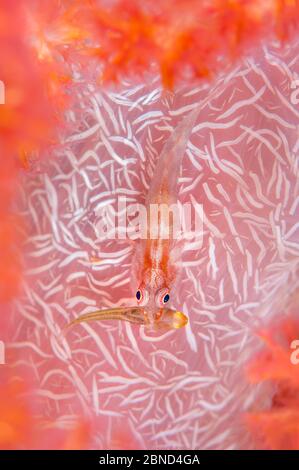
183 388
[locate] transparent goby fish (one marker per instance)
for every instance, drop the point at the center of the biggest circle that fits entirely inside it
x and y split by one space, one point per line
155 263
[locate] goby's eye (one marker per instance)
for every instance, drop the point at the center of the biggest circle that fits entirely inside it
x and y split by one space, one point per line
142 296
162 297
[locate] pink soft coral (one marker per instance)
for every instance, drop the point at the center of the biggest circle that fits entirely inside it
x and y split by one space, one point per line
184 39
278 427
20 426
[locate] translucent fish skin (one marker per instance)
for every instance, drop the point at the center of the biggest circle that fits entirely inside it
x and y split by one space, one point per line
164 181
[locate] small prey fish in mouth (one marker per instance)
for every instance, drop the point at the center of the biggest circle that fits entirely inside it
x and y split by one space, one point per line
165 319
157 255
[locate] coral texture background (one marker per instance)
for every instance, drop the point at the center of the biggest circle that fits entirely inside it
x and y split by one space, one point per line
182 389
